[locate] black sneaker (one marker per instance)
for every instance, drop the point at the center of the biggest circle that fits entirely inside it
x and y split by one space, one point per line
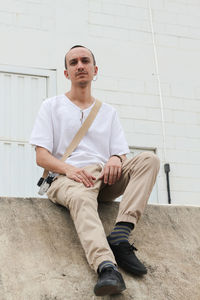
126 258
110 282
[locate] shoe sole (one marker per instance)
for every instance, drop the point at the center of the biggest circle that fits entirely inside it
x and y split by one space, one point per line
108 290
132 271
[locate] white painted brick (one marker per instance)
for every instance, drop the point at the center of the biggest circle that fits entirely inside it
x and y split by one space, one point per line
147 100
188 20
194 158
8 6
131 85
34 1
174 30
136 3
115 97
147 127
132 112
186 198
194 2
198 118
177 156
29 21
142 140
39 9
191 105
174 6
114 9
140 37
170 142
168 115
182 90
190 44
131 23
138 13
154 114
175 129
101 19
151 87
173 103
181 170
161 16
127 124
192 131
197 92
177 30
194 10
106 83
155 4
129 99
185 184
6 18
48 23
167 40
193 33
110 33
162 196
185 117
120 34
95 5
187 143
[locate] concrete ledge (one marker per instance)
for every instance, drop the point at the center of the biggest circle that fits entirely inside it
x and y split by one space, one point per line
41 257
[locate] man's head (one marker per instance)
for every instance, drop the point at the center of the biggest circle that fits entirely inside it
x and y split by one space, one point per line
78 46
80 66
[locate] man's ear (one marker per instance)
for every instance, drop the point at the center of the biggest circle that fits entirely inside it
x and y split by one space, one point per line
66 74
95 70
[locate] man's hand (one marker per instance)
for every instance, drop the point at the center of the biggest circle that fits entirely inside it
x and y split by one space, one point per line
47 161
112 170
80 175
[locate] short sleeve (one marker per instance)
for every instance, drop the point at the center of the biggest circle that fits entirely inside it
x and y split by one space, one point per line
118 143
42 133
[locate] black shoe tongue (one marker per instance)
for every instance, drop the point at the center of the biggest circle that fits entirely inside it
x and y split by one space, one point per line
124 243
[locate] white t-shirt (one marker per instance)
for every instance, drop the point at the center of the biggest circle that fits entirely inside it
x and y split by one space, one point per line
59 119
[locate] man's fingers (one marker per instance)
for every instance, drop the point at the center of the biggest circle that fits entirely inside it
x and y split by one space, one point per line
106 172
114 175
90 178
119 173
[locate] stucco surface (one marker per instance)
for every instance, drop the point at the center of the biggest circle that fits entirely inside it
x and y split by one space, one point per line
41 257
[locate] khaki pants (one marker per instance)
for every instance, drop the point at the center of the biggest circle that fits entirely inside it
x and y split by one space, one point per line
136 183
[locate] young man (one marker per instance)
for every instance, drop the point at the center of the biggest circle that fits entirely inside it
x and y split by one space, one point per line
97 170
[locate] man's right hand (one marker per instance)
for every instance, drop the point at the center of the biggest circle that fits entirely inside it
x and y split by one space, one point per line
47 161
80 175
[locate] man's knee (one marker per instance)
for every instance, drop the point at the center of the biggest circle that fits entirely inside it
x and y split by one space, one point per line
151 159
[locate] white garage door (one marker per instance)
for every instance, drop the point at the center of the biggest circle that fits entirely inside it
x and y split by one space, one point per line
21 94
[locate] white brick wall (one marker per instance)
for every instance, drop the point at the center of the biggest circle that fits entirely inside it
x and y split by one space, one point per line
37 33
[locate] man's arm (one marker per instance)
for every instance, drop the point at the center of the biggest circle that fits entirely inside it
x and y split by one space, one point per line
47 161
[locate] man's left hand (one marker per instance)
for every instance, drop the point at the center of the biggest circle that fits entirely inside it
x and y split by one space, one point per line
112 170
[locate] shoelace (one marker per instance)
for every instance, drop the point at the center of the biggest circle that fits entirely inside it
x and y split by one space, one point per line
133 247
129 248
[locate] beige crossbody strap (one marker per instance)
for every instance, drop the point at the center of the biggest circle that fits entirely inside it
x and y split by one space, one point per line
80 134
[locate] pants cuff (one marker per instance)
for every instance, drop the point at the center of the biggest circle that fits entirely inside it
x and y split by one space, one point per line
127 218
100 259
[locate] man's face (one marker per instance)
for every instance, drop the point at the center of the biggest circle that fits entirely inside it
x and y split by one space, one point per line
80 66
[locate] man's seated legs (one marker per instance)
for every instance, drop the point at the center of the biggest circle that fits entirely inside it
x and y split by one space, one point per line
136 183
82 204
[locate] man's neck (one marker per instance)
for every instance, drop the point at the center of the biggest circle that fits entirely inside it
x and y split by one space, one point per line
81 97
